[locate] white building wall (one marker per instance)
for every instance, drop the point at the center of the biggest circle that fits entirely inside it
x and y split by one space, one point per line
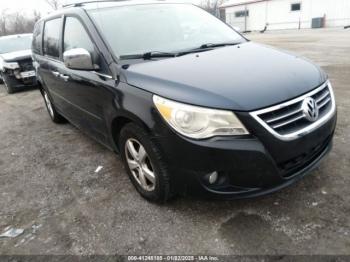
337 11
258 11
278 14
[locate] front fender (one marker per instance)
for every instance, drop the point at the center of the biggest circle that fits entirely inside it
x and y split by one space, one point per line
134 104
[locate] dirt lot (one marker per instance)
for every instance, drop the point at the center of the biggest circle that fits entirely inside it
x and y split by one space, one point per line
49 187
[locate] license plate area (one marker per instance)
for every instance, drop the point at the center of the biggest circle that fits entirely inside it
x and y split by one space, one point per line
27 74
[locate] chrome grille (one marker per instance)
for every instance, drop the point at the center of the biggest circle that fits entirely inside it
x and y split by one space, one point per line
287 121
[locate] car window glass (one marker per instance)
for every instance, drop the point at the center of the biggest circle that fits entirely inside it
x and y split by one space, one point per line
75 36
160 27
37 37
51 37
15 43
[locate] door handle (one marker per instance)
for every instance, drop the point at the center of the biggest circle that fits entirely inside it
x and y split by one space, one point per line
55 73
64 77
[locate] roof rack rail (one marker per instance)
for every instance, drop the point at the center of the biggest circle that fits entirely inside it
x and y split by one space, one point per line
89 2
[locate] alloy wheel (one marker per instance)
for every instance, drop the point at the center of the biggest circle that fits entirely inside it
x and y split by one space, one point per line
140 164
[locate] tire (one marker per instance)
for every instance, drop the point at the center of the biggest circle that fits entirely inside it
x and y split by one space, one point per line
9 89
161 190
54 115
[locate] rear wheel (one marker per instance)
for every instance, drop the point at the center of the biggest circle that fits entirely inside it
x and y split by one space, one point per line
55 116
144 163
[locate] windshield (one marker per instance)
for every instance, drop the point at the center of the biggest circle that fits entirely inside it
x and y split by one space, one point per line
138 29
13 44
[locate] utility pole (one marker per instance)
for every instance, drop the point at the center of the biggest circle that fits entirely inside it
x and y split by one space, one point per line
245 17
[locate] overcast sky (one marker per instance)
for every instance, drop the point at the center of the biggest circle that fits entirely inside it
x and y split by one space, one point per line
39 5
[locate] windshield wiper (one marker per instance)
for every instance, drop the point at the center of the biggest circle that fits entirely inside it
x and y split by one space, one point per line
159 54
148 55
211 45
205 47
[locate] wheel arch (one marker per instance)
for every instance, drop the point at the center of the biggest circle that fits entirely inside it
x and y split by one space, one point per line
120 121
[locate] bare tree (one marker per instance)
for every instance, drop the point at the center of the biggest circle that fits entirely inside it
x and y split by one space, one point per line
212 6
28 26
36 15
17 22
3 22
55 4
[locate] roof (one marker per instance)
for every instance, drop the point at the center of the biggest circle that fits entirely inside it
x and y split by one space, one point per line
232 3
95 4
91 4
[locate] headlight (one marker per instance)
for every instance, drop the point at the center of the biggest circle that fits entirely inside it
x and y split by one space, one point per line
198 122
11 65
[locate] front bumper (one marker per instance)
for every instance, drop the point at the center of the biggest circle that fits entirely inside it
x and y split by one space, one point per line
247 166
19 81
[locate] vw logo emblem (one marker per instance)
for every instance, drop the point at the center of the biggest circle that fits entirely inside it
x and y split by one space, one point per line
310 109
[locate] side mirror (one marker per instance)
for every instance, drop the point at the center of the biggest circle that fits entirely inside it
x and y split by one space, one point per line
78 58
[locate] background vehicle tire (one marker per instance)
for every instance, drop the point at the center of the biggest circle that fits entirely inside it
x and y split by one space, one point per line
142 160
9 89
55 116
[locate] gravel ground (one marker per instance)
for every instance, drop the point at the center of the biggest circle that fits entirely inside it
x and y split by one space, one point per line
50 189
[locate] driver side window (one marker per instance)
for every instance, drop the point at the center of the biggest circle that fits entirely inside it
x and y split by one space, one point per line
75 36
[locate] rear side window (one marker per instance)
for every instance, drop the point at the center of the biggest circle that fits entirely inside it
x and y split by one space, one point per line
75 36
37 38
51 37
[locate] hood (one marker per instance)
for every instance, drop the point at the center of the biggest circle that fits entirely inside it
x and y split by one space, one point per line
15 56
245 77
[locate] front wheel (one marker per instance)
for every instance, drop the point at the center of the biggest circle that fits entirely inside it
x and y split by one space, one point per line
8 87
54 115
144 164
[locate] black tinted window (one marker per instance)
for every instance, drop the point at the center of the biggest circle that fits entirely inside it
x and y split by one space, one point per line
295 7
242 13
51 37
75 36
37 38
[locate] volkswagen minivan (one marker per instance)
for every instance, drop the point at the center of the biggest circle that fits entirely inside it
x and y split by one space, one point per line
187 102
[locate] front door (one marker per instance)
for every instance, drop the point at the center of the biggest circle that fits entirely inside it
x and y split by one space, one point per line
84 92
